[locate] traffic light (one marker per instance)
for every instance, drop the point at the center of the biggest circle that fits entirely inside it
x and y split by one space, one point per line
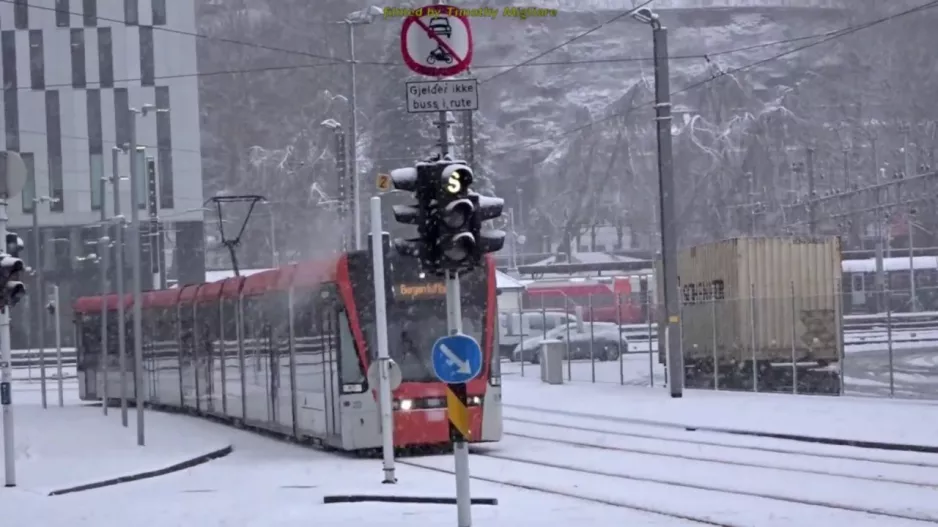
11 288
449 217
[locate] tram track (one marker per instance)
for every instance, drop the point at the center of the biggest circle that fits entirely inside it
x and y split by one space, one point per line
716 460
721 444
594 499
675 483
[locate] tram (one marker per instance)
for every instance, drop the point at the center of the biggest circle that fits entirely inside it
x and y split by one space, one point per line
286 351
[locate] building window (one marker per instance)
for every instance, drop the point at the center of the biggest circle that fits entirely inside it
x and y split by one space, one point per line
147 68
97 173
54 149
159 12
121 117
11 112
164 145
105 57
90 12
78 58
21 14
131 12
62 13
29 189
37 75
95 145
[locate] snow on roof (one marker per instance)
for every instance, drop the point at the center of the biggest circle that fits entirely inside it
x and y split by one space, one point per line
868 265
503 282
214 276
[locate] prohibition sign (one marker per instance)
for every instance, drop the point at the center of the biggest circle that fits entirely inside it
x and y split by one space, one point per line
436 44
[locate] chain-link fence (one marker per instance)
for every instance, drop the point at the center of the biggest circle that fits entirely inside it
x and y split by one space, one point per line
779 343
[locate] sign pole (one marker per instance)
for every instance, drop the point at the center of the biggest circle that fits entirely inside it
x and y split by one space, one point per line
6 376
458 410
384 358
12 179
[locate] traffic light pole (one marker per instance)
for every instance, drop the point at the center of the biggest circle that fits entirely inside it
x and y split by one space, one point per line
454 327
6 375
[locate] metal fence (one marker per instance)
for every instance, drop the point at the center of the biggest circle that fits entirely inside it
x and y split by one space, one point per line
764 343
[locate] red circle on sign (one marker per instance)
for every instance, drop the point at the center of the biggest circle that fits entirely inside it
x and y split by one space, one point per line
460 66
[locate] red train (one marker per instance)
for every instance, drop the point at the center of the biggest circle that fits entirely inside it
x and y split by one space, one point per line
287 351
617 299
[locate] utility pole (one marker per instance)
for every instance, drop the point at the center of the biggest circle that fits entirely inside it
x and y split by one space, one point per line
667 209
353 141
812 207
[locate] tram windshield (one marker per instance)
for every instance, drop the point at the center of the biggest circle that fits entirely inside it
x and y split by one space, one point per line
417 315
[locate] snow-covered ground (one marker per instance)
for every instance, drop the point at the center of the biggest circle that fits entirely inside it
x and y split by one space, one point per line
885 420
63 447
570 455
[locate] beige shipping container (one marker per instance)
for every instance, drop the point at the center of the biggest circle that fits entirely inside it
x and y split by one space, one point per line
767 299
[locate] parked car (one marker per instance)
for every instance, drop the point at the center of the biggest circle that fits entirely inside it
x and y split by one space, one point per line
600 340
514 327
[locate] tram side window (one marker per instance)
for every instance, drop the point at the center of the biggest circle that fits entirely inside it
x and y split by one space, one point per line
350 369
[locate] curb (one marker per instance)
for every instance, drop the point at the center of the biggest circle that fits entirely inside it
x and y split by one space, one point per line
858 443
189 463
358 498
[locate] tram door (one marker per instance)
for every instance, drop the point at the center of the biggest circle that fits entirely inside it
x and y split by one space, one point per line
329 328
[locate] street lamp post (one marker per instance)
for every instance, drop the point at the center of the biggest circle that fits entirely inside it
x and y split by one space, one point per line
136 266
668 216
357 18
39 308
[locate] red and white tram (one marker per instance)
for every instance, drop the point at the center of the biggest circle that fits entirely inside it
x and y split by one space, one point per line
287 350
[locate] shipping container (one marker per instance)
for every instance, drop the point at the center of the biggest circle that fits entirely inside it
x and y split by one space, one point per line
761 301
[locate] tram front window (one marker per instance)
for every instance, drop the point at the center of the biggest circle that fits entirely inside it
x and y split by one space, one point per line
412 330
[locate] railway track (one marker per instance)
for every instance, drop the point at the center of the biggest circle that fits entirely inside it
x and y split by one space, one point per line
707 479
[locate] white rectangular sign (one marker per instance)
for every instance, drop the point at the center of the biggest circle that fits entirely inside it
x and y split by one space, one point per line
442 96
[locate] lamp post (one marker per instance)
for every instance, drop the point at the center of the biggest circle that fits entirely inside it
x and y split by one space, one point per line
357 18
136 265
668 216
40 312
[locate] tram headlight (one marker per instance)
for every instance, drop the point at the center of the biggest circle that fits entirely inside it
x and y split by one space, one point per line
403 404
475 400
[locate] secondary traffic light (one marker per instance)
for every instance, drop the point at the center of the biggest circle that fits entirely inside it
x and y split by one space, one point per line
14 245
12 289
407 180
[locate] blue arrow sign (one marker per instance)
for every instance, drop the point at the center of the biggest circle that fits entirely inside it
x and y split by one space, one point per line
457 359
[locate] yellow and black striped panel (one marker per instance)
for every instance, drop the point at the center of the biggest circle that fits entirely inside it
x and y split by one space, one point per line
458 412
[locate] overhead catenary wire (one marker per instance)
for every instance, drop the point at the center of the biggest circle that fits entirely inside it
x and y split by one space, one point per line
823 37
730 71
568 41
